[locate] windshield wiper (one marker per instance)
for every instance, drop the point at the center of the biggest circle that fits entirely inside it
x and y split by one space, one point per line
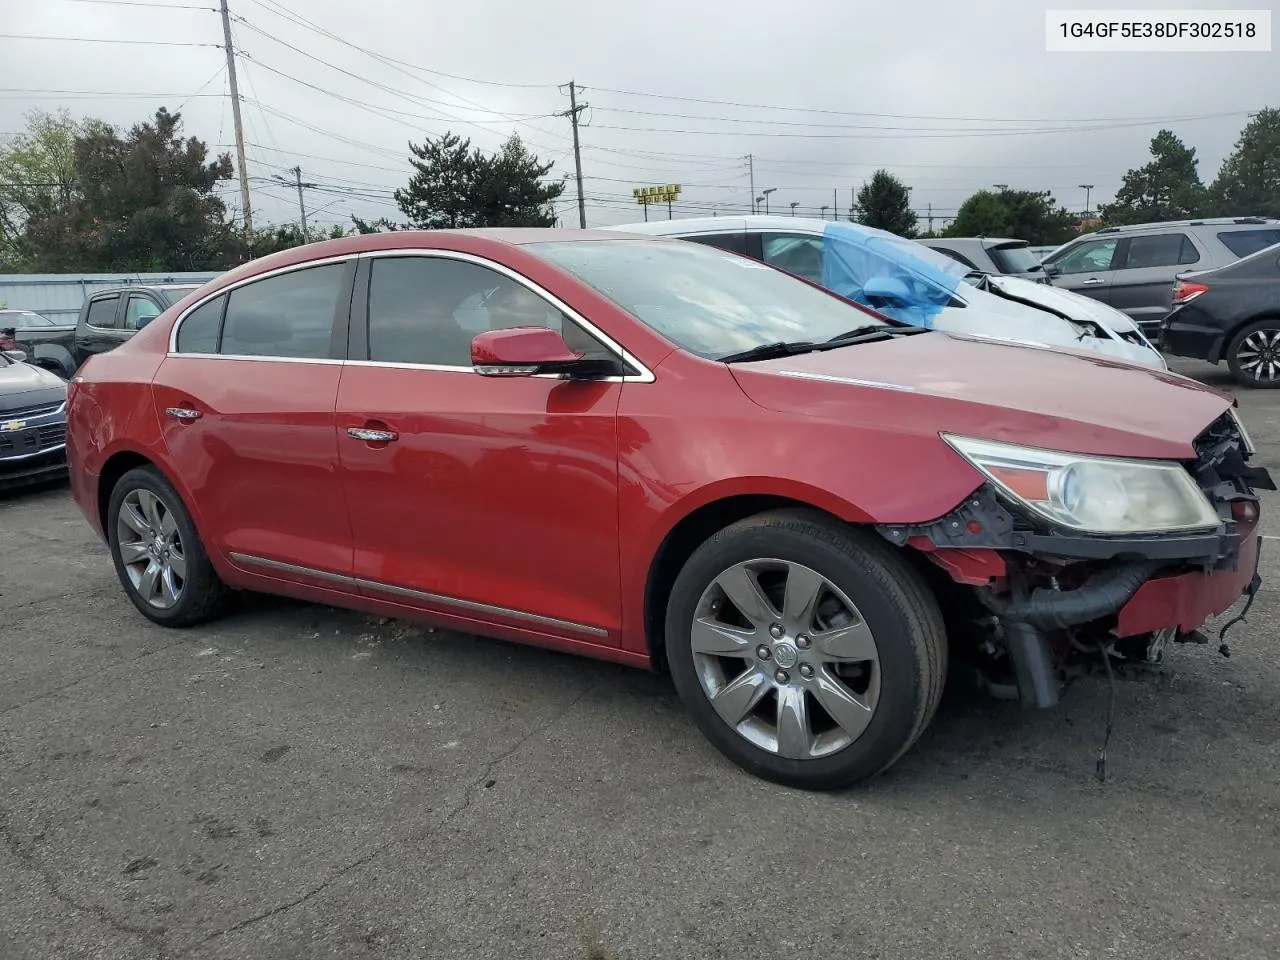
769 351
872 331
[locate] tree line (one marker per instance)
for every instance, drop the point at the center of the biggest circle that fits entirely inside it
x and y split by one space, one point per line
1167 187
84 196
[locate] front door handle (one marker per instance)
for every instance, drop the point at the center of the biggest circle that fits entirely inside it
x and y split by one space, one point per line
185 414
1090 280
371 436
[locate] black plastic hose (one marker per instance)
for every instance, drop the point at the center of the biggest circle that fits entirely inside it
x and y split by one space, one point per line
1101 595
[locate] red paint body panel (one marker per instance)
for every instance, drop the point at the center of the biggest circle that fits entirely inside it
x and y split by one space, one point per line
262 460
1186 601
498 490
518 346
549 499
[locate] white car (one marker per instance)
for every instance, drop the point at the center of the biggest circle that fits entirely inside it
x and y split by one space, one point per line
910 282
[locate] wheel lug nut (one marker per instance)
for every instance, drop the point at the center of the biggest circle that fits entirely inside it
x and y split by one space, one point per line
806 671
762 652
803 642
782 676
776 631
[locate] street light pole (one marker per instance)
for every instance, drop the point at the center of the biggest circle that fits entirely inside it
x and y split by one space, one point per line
765 194
794 204
824 211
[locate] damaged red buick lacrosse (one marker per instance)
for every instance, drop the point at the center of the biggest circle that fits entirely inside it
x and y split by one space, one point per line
667 455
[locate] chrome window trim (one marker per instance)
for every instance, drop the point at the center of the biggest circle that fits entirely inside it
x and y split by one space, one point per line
177 324
473 605
644 376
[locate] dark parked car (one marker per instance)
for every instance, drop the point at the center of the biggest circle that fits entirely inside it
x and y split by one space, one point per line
1231 313
47 343
110 317
668 455
33 421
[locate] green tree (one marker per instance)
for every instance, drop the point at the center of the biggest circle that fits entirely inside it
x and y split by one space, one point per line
37 177
510 191
455 185
441 192
884 202
1249 182
146 202
1028 215
285 236
381 225
1167 188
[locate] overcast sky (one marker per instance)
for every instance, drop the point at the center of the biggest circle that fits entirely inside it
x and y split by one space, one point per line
934 90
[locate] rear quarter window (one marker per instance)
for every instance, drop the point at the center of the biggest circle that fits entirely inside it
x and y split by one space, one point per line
1242 243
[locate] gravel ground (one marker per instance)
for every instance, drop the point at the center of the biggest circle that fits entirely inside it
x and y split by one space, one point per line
300 782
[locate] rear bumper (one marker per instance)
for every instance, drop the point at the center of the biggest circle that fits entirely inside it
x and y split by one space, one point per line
1185 601
1187 332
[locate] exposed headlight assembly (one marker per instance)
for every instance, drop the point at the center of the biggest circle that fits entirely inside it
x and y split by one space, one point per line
1102 495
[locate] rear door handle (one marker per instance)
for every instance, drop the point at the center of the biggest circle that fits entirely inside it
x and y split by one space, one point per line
371 436
185 414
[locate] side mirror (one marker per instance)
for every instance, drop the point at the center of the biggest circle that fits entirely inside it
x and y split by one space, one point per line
529 351
18 356
1050 270
886 290
143 321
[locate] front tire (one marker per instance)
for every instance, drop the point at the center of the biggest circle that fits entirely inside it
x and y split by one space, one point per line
808 652
1253 355
158 556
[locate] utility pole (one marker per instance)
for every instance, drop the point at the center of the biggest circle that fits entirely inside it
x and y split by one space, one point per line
835 206
931 219
235 118
853 203
302 207
1087 188
575 108
751 172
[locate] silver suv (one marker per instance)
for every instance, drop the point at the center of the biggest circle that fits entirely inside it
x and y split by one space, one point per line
1133 268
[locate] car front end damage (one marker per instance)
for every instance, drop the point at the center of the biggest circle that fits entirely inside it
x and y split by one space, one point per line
1061 562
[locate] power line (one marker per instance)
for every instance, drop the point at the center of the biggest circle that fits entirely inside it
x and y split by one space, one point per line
145 43
885 116
147 3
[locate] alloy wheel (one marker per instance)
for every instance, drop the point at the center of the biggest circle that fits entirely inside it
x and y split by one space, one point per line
785 658
1258 355
150 546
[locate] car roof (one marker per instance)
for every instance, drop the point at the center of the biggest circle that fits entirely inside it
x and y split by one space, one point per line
692 225
1241 222
983 243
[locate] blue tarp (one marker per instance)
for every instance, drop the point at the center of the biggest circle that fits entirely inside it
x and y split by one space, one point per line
854 254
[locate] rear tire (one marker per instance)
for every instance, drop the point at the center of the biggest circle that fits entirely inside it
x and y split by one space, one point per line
1253 355
157 552
809 652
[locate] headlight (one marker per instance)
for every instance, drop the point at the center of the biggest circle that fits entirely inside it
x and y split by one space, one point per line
1101 495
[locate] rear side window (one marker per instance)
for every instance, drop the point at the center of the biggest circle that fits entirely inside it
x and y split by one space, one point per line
102 312
957 257
735 242
1245 242
199 331
1159 250
288 316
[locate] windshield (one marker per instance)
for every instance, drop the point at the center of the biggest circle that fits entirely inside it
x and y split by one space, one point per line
173 294
707 301
1017 259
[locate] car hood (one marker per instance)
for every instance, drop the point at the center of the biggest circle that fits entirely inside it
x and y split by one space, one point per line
1074 305
944 382
23 386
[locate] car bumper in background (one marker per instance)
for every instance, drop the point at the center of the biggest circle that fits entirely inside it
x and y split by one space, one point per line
1189 332
45 465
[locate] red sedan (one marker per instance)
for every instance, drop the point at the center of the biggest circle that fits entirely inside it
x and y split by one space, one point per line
663 454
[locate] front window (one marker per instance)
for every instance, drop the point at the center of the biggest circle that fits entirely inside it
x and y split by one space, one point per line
1089 257
708 302
1014 259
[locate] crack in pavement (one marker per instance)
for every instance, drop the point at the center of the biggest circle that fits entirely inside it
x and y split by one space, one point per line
153 937
467 799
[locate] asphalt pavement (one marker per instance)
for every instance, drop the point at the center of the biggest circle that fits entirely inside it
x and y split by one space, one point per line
296 781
